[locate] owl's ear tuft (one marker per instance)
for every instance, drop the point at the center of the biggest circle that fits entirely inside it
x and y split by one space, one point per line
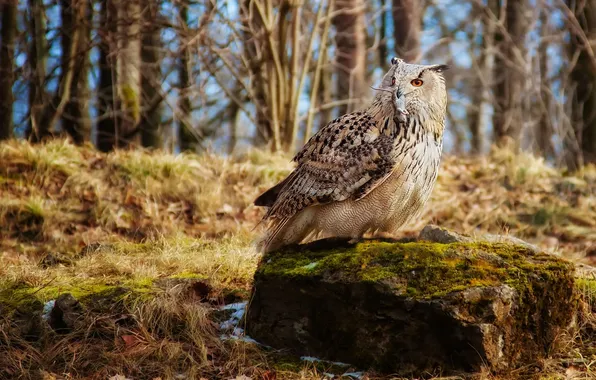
439 68
395 60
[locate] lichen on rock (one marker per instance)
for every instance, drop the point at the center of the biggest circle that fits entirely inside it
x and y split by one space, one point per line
413 308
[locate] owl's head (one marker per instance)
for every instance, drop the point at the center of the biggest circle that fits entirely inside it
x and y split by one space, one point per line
417 89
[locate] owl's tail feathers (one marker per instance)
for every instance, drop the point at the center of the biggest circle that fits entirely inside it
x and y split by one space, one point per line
288 231
273 239
269 197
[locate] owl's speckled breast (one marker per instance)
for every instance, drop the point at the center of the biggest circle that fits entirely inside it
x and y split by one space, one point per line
399 198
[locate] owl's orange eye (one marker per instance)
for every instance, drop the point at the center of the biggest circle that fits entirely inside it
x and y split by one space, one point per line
393 81
417 82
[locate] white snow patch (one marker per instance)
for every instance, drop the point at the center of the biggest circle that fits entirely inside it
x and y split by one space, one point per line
355 375
47 309
235 306
313 359
230 327
235 317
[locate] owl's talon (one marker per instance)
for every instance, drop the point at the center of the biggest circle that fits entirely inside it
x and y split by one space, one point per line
354 240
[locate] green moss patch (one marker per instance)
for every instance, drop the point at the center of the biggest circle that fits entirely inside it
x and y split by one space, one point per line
587 288
417 269
21 296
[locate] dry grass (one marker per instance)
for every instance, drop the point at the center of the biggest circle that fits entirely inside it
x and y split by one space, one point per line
149 232
518 195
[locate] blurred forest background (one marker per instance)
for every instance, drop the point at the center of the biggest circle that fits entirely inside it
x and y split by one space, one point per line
194 74
154 243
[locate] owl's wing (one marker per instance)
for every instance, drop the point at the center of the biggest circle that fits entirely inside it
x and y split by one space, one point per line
347 158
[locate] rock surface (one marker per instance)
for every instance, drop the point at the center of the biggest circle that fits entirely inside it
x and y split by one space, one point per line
442 235
66 315
413 308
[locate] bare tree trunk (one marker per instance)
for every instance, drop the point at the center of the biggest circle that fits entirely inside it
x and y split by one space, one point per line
234 118
325 95
252 38
106 126
350 42
509 71
475 120
53 110
37 67
581 148
545 130
383 55
77 16
9 29
187 138
151 78
128 68
480 88
407 19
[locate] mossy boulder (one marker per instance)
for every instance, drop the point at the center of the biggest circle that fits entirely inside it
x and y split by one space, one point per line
413 308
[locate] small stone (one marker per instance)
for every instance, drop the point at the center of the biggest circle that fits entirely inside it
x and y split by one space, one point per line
66 315
438 234
509 240
551 242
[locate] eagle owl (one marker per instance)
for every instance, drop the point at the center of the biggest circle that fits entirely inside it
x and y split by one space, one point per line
367 172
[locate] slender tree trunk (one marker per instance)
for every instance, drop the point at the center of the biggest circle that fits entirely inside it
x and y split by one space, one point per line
480 88
325 94
475 120
37 67
581 144
234 118
383 55
128 68
53 110
545 130
291 100
106 126
9 29
510 75
350 41
151 116
187 137
76 20
407 20
252 38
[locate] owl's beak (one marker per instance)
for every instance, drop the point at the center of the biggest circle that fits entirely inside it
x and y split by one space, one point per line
400 104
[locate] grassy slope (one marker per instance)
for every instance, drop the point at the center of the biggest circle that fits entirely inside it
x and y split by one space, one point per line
72 218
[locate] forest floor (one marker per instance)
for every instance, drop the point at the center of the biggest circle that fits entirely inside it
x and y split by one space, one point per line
173 237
